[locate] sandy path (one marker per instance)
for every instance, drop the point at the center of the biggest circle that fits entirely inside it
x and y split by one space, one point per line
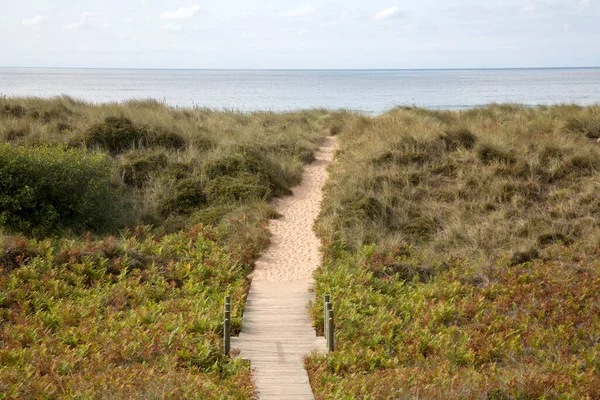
277 330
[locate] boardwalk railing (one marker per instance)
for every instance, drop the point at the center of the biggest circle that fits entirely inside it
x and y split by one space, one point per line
328 324
328 327
227 326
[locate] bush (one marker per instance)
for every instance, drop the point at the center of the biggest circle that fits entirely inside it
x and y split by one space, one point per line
139 167
44 190
227 189
119 134
247 163
188 196
16 111
167 140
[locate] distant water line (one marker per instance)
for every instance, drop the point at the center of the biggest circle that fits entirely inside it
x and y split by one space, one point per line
370 91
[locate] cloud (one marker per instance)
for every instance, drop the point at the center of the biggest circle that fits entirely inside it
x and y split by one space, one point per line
172 27
300 12
82 22
33 21
181 13
388 13
74 25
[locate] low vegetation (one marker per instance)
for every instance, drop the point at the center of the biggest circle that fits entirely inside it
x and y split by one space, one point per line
461 253
461 248
122 228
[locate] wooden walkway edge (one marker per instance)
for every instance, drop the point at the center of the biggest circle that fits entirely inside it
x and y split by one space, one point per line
277 330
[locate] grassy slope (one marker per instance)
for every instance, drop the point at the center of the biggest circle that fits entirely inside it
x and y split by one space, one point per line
135 312
461 254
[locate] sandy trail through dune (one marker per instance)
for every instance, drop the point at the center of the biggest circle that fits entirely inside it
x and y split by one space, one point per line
277 330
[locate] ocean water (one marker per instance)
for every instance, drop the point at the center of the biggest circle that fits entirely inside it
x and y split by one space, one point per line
371 91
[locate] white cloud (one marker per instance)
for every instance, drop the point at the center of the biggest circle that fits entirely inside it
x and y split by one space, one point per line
74 25
172 27
300 12
33 21
128 20
388 13
181 13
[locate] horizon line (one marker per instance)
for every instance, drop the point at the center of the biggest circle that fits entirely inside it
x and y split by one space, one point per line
304 69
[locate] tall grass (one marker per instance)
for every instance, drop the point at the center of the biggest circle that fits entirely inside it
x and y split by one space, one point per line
132 309
461 253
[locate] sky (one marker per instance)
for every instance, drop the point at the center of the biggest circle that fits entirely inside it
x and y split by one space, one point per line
265 34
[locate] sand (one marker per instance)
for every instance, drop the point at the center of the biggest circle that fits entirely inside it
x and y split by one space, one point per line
277 329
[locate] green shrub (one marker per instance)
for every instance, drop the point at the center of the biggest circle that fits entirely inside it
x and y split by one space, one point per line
227 189
247 163
167 140
16 110
188 196
119 134
139 166
44 190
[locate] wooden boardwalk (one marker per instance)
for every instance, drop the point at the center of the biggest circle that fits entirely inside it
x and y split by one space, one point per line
277 333
277 329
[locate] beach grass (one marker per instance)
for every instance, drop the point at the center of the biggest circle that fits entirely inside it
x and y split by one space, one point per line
123 226
461 254
460 248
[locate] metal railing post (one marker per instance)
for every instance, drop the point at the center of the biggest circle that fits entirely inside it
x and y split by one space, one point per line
227 326
326 299
330 333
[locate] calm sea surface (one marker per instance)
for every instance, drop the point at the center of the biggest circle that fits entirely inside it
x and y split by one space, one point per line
371 91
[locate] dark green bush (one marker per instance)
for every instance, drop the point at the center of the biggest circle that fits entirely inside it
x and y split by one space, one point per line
247 162
44 190
17 110
168 140
17 133
58 112
139 166
178 171
227 189
189 195
119 134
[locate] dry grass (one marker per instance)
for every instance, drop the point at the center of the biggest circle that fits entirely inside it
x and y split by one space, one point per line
475 184
461 254
136 313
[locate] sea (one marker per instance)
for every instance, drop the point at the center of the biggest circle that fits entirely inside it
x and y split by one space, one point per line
368 91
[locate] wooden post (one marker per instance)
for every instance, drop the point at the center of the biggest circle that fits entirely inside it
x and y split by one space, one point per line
227 326
325 301
330 331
